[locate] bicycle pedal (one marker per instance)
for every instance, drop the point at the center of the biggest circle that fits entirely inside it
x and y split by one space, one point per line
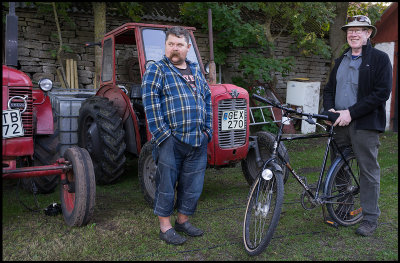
332 223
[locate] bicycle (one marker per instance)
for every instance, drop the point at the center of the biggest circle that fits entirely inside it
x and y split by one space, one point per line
340 189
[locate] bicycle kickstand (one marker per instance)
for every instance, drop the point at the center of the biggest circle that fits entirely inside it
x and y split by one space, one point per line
328 220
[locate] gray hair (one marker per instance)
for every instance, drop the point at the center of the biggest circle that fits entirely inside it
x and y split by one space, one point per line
177 31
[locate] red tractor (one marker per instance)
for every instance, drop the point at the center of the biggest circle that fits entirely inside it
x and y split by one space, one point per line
113 123
29 148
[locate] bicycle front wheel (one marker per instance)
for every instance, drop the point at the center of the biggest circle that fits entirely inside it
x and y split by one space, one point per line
263 210
343 193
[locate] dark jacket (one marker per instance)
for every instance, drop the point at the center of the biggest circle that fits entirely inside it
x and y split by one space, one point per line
374 87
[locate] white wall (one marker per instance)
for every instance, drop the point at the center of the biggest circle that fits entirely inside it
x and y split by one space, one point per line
388 48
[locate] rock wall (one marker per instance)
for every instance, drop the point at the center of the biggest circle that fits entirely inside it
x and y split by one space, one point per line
38 40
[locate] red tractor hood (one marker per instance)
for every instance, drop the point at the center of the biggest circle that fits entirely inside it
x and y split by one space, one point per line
15 78
219 89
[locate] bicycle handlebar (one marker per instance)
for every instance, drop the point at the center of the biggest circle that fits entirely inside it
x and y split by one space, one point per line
331 116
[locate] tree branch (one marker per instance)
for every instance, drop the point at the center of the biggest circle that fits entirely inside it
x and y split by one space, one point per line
60 48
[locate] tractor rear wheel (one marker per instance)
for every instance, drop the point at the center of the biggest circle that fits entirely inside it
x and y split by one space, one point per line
78 191
265 142
101 133
46 152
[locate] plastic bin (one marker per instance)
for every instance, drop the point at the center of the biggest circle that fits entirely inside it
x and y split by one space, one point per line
66 105
306 95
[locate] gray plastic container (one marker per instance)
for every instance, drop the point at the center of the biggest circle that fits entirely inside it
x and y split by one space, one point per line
66 105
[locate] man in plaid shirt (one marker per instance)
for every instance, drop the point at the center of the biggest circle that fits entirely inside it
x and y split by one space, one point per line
177 102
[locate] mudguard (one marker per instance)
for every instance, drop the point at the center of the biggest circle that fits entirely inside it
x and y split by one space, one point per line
42 112
332 168
272 165
125 110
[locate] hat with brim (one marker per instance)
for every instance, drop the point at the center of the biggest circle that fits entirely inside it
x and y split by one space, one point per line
360 24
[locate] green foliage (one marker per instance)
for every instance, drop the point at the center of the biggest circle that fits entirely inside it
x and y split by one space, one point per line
46 8
248 24
312 45
373 10
133 10
229 29
259 67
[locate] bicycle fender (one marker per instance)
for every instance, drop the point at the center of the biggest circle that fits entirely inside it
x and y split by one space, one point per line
273 166
330 172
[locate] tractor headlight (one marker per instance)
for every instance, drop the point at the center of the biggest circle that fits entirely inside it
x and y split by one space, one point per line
45 84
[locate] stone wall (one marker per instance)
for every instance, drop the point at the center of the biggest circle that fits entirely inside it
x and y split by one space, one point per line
38 37
315 68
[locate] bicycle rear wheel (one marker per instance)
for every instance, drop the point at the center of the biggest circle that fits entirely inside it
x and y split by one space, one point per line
262 214
344 193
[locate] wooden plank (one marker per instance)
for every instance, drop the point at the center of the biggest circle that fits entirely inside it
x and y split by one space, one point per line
71 73
76 74
68 72
61 79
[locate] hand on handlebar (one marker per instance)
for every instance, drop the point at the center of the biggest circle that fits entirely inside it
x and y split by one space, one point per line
344 118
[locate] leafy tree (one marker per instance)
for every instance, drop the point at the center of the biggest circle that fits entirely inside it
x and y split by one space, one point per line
256 26
373 10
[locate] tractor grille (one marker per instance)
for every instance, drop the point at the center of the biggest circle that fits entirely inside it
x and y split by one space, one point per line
27 116
232 138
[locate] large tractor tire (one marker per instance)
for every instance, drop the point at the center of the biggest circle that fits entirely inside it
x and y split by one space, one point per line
265 144
46 152
147 173
101 133
78 191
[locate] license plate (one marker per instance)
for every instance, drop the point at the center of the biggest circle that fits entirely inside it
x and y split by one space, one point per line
12 124
232 120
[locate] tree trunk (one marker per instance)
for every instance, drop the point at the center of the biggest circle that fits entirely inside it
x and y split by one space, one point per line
99 11
337 37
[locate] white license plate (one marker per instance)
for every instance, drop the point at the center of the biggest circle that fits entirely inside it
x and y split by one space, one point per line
232 120
12 124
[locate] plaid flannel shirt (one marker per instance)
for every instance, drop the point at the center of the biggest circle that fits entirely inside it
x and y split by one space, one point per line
172 106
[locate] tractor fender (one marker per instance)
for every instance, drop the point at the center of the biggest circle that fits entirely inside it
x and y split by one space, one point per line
42 113
121 101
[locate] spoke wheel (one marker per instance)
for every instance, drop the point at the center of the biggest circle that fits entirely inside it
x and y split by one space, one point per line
262 213
344 194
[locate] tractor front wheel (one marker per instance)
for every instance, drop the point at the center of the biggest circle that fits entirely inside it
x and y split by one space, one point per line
147 173
78 190
265 142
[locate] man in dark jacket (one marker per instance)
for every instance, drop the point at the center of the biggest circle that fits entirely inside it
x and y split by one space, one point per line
358 88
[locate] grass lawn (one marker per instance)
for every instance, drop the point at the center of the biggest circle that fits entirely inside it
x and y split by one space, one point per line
125 228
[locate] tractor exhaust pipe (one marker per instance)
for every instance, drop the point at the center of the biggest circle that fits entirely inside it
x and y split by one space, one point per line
11 45
212 75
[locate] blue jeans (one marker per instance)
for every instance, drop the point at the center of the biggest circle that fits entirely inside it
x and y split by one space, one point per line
180 163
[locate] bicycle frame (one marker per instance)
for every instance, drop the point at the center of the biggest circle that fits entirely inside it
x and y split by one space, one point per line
330 143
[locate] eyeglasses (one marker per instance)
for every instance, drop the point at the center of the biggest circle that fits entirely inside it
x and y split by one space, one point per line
358 18
357 31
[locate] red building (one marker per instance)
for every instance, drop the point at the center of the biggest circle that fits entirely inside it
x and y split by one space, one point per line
386 40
